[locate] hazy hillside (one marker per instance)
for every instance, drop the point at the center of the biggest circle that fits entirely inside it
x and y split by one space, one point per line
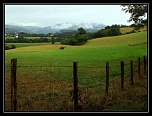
29 29
53 29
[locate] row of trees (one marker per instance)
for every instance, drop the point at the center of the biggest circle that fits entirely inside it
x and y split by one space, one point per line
28 34
21 39
82 37
78 37
7 47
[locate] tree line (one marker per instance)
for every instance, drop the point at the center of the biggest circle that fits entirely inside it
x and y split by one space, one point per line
81 37
76 37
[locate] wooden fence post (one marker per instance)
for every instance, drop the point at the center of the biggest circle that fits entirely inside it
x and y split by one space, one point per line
139 66
131 72
107 77
75 75
13 84
122 75
145 70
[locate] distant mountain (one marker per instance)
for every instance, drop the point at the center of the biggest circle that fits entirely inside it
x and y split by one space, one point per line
57 28
29 29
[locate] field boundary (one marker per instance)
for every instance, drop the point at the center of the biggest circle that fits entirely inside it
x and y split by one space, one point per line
137 44
76 88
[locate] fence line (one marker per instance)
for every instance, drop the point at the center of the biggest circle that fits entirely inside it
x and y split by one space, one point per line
59 66
75 78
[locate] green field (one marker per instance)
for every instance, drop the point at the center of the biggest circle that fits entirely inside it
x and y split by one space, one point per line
95 50
18 45
51 68
95 53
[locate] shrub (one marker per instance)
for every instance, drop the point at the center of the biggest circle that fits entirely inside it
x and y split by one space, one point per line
7 47
13 46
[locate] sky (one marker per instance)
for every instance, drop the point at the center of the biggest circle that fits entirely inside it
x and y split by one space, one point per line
51 14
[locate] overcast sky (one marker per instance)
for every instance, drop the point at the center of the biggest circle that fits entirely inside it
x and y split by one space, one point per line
48 15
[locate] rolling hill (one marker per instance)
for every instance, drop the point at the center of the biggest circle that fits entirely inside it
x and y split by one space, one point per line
54 28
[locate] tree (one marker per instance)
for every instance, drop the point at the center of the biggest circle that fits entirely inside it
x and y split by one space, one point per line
81 31
113 32
52 38
138 14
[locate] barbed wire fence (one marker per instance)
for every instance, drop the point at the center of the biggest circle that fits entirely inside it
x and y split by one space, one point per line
65 88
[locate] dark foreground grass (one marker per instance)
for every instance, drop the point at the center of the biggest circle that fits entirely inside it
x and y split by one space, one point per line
37 92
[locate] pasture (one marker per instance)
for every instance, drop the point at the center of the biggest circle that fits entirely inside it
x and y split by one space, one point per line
129 29
44 72
99 50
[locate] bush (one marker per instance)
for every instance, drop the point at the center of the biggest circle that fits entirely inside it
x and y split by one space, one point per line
7 47
13 46
127 33
133 31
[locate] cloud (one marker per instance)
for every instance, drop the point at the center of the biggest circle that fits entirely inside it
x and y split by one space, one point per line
44 15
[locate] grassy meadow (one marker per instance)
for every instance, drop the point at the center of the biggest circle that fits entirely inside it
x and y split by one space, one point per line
99 49
45 74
